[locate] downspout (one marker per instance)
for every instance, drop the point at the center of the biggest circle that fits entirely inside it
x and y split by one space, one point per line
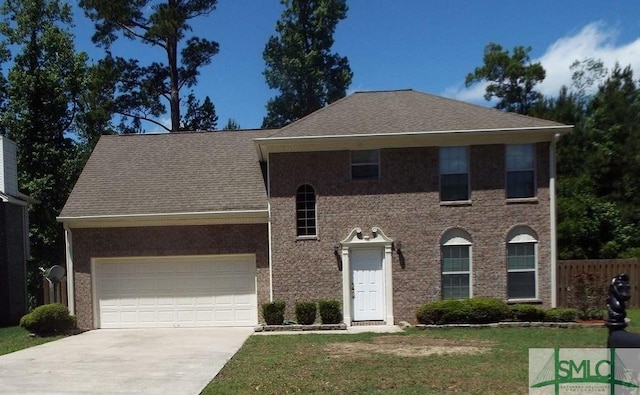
552 212
68 243
269 230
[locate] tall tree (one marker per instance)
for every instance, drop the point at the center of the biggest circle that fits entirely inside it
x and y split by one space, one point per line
231 124
162 24
587 73
300 63
613 133
43 90
96 108
511 78
598 168
200 117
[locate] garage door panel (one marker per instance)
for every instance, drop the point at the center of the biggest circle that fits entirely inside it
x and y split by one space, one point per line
172 291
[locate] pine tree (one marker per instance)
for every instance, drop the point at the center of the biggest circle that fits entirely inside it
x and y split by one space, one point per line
140 90
300 63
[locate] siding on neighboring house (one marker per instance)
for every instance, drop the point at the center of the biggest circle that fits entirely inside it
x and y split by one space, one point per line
8 167
405 204
13 304
163 241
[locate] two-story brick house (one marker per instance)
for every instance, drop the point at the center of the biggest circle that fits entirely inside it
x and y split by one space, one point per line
382 200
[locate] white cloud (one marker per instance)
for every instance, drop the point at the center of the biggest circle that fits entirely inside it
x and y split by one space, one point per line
595 41
153 128
473 94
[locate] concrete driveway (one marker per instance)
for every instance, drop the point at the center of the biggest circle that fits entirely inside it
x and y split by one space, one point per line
123 361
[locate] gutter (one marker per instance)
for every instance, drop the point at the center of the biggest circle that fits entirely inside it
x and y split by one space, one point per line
406 139
163 219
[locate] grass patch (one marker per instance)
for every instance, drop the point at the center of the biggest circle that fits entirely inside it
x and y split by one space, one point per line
434 361
15 338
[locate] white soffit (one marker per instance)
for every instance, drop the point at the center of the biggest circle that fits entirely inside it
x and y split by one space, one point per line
265 146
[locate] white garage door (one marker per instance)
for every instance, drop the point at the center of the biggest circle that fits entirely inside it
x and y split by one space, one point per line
192 291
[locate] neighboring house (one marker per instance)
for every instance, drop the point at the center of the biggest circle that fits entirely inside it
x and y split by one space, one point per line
382 200
14 238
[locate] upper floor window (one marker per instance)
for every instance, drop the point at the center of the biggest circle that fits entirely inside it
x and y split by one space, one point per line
520 160
454 173
522 264
365 165
306 210
456 265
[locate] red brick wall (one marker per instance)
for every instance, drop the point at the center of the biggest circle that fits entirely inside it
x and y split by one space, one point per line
405 204
164 241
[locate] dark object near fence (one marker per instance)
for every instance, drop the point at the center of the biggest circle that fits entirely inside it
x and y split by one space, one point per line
619 294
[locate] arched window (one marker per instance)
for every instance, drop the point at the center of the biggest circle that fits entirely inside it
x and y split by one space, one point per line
456 265
306 210
522 263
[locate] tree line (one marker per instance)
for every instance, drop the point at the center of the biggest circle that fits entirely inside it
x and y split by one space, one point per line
598 164
55 103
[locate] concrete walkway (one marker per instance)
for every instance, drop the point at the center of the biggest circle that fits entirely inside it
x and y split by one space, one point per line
123 361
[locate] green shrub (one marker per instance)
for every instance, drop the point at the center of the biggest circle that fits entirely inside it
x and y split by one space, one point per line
560 314
526 313
48 319
306 313
444 312
467 311
330 312
273 312
487 310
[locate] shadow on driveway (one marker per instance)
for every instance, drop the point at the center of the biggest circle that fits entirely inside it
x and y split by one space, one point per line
121 361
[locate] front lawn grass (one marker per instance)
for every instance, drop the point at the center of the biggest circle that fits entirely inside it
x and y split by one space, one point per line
475 361
14 338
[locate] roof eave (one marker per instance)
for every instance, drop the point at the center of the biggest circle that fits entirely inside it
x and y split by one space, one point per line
267 145
20 200
167 219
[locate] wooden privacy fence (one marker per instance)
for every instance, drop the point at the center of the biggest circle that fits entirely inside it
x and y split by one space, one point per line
57 294
602 269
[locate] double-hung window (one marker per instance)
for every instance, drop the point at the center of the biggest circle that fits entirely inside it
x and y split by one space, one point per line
522 264
520 160
456 265
454 173
365 165
306 211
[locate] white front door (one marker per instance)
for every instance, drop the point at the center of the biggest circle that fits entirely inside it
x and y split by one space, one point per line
367 284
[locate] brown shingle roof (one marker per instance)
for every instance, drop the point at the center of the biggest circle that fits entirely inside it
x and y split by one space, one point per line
403 111
170 173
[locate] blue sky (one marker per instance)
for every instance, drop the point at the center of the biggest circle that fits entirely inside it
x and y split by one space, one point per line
420 44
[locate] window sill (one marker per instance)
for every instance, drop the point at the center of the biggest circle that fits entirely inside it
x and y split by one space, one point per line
456 203
304 238
525 301
529 200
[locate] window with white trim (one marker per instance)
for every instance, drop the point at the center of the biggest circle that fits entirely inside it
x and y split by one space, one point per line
306 210
522 264
520 163
454 173
365 165
456 265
